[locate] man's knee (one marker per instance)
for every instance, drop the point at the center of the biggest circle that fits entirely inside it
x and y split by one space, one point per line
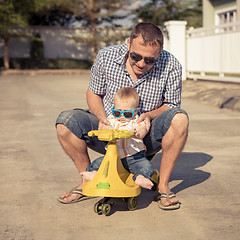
62 131
76 121
180 123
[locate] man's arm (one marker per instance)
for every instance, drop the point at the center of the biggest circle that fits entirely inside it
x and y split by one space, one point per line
156 112
95 104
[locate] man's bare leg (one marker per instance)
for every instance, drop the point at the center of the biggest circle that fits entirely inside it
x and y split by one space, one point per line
172 145
76 149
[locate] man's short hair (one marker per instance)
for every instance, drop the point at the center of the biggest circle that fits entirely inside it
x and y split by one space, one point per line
151 34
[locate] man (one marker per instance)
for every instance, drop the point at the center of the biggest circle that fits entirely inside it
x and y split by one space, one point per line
156 75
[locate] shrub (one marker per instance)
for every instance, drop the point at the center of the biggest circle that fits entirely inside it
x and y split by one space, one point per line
37 47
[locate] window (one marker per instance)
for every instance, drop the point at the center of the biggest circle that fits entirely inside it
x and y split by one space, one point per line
227 17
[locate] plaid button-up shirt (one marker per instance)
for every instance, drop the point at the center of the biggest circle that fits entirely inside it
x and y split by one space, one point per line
162 84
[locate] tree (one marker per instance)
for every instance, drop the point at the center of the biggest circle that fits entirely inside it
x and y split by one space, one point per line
95 12
14 19
192 13
89 14
160 11
11 23
52 13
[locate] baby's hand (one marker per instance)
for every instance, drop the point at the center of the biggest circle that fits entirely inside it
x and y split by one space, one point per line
107 127
136 134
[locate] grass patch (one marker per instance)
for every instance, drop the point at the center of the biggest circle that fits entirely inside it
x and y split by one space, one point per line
232 75
212 74
198 73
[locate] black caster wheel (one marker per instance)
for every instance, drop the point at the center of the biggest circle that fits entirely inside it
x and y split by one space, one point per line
106 209
98 208
132 203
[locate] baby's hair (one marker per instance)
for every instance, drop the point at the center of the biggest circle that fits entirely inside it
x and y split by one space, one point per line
128 94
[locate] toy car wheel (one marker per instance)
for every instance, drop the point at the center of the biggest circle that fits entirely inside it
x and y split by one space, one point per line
98 208
132 203
106 209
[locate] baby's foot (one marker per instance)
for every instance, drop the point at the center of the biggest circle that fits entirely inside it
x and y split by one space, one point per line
88 176
143 182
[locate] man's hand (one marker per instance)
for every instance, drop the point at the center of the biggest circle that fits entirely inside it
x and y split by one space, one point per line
144 117
137 135
104 124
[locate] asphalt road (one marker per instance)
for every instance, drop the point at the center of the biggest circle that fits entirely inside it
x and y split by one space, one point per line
35 171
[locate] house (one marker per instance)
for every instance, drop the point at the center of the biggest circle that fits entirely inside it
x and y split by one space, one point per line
218 12
213 50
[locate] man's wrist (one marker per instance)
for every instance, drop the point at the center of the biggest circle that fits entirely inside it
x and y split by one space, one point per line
102 118
149 115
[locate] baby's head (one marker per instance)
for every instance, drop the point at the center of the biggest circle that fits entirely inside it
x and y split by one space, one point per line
126 100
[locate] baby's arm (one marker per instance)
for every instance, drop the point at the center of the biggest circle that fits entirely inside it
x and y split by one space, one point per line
141 130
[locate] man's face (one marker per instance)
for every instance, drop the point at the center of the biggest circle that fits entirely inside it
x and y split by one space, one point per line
147 52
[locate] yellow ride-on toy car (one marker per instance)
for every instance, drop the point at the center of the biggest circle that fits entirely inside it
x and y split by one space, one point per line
112 181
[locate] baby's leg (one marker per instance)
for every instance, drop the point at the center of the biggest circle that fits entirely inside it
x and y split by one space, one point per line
143 182
87 176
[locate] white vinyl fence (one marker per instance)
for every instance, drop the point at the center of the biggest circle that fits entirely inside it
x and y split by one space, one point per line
205 53
214 53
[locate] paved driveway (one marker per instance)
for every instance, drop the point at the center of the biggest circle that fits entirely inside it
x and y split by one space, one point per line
35 170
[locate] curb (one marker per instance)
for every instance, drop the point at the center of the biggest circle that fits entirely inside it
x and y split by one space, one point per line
221 95
43 71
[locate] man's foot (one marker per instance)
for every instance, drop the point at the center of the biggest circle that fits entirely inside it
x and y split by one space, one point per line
87 176
172 200
165 201
75 195
143 182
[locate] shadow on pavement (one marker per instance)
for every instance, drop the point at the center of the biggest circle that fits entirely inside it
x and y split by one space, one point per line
185 171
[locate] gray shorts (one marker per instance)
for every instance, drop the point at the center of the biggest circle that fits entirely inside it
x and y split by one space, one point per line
80 122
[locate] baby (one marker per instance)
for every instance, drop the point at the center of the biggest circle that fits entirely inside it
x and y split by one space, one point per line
132 150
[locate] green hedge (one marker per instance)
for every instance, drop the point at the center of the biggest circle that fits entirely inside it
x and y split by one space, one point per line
31 63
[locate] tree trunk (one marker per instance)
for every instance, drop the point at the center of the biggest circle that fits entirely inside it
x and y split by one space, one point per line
6 54
95 45
93 29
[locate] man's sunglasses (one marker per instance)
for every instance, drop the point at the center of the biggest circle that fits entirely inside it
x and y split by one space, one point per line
137 57
127 114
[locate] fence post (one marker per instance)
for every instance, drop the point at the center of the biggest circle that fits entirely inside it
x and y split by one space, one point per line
177 42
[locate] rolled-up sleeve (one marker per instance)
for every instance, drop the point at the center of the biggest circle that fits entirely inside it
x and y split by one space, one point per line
97 82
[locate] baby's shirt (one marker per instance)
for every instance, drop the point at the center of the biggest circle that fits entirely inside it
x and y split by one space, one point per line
130 146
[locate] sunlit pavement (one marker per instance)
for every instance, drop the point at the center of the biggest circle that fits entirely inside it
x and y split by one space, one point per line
35 170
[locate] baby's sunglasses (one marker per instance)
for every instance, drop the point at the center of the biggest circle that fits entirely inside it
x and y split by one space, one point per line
127 114
137 57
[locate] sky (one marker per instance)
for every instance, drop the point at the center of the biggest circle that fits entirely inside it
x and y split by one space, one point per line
128 21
